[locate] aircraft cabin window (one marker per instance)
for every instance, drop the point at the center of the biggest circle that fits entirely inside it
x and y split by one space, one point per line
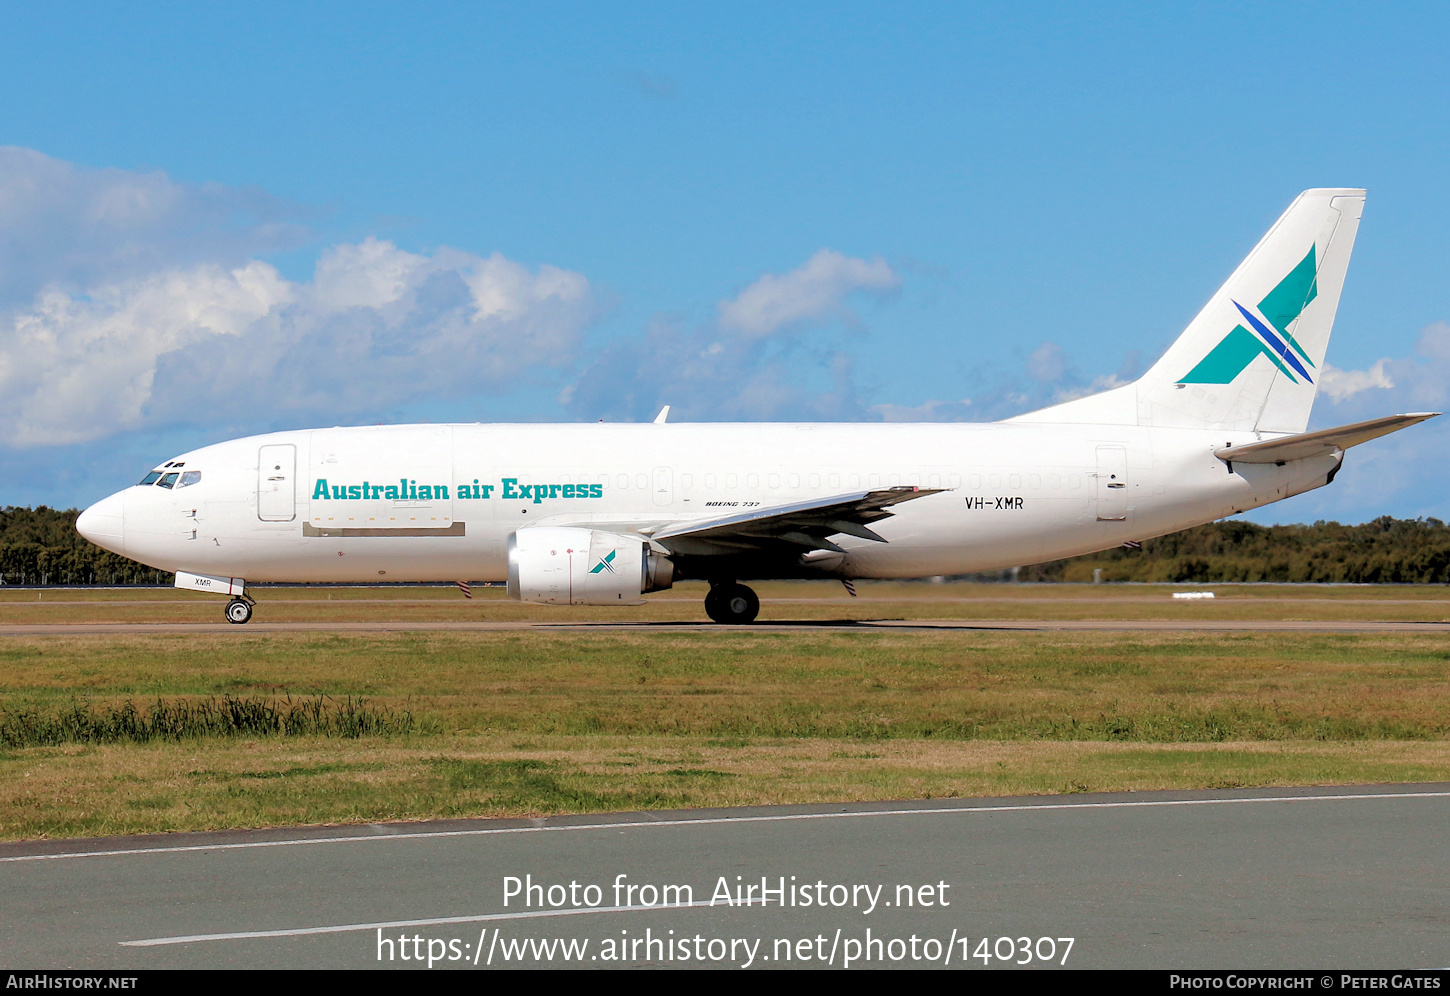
623 482
687 481
189 478
773 481
167 482
152 477
641 481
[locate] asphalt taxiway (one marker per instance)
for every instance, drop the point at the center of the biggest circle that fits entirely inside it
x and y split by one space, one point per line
1341 877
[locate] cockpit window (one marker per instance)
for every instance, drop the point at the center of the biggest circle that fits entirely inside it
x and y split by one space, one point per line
189 478
166 482
151 478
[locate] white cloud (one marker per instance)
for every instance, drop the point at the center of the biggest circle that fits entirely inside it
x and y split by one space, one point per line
813 291
1096 386
1046 363
1341 384
367 275
1419 382
377 326
742 366
708 373
929 411
73 227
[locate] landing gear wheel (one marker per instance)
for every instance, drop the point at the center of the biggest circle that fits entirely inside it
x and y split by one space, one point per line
238 610
732 603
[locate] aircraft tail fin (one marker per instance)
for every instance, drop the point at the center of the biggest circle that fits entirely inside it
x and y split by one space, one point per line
1252 358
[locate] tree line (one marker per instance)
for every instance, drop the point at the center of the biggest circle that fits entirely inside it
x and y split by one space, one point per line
41 546
1384 551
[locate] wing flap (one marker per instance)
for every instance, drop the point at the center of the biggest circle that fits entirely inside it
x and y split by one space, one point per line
1311 444
805 524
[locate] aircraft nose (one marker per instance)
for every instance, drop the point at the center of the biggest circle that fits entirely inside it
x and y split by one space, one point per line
102 524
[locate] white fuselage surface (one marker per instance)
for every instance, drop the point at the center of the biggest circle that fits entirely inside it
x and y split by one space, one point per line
291 506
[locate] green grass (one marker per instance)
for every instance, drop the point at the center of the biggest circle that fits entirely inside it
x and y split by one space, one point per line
185 719
1159 688
531 722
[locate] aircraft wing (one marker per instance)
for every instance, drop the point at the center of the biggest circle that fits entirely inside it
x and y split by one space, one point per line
802 524
1309 444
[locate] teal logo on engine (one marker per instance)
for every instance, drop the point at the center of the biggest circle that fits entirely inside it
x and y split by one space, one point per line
607 564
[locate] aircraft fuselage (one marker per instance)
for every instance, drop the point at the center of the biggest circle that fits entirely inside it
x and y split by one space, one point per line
439 502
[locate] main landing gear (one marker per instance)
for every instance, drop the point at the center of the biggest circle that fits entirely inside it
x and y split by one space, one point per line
239 610
729 602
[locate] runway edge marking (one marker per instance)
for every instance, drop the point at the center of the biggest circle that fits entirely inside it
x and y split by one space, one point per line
717 820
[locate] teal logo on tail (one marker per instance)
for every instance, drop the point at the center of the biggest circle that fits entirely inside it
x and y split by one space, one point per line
607 564
1270 336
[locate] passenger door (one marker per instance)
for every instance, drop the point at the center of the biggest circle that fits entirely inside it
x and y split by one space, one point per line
664 487
277 483
1112 490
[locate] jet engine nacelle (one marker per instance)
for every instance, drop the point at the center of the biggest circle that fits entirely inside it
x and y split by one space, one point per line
569 565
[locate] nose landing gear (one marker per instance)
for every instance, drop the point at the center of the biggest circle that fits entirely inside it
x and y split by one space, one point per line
239 610
729 602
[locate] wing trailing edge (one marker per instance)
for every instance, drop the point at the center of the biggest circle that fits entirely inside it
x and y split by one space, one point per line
807 524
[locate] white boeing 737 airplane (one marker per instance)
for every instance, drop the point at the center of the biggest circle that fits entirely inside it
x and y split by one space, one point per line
596 514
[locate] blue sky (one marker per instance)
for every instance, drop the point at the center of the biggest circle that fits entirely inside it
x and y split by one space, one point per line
218 219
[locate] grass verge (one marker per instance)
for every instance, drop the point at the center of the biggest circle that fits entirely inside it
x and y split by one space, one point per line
185 719
531 723
211 785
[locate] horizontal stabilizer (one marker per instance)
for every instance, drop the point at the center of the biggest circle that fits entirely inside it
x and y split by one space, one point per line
1311 444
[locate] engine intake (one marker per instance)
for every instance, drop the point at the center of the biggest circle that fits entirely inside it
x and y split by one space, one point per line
570 565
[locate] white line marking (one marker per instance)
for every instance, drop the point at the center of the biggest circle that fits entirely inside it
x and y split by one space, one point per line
246 935
535 914
717 820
